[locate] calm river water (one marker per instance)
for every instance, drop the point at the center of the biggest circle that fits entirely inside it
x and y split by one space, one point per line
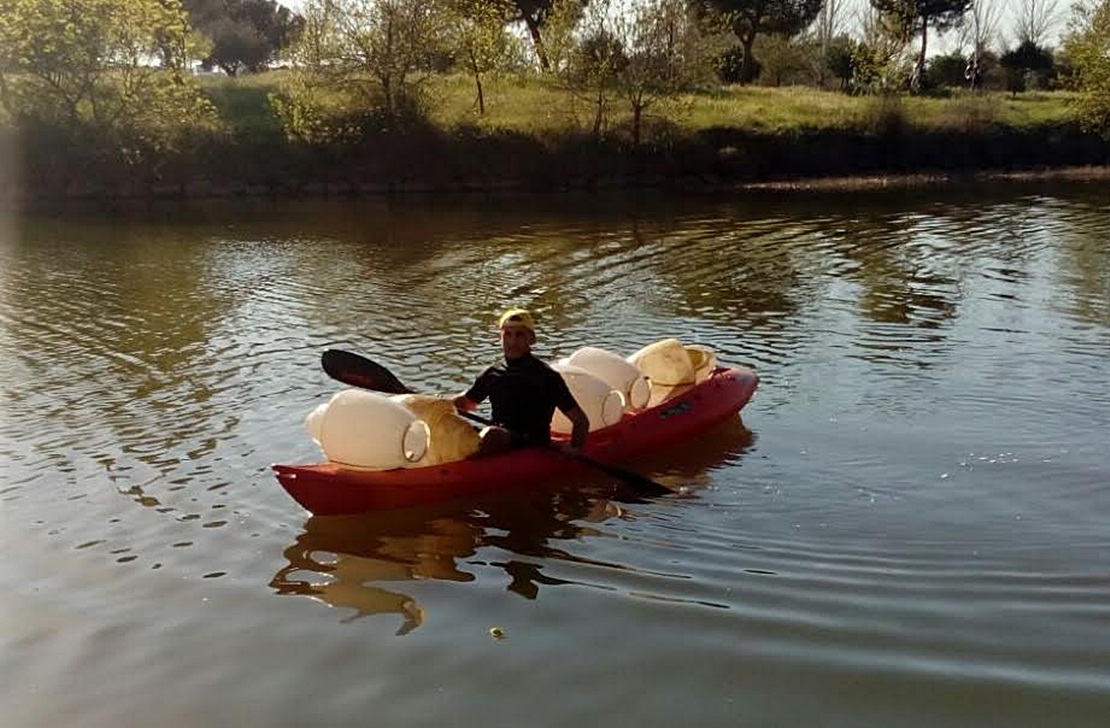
907 527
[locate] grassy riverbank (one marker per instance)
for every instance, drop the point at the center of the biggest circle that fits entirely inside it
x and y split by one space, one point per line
536 136
535 107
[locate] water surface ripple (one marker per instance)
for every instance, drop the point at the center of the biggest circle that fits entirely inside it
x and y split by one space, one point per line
905 528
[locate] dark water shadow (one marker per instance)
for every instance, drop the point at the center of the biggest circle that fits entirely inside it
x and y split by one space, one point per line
345 561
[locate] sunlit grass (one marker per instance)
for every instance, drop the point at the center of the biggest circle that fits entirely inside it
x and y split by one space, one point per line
533 105
244 101
512 103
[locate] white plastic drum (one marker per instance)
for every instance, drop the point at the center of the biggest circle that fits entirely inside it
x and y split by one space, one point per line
616 371
666 363
601 403
368 430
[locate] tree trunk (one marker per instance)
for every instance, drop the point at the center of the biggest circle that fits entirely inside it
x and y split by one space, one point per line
919 68
748 71
478 82
537 42
600 113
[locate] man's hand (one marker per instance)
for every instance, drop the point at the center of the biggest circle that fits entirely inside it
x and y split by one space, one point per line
463 404
581 427
569 448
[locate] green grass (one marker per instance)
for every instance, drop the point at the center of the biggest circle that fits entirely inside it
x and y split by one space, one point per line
243 102
537 106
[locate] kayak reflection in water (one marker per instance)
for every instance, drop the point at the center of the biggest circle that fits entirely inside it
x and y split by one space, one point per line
524 393
347 561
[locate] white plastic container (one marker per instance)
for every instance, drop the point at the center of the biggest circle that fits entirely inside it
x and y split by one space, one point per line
617 372
666 363
314 422
602 404
368 430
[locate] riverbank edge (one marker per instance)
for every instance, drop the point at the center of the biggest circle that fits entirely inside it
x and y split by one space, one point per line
714 160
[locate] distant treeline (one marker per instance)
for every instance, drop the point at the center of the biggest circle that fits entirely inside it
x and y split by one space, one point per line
101 97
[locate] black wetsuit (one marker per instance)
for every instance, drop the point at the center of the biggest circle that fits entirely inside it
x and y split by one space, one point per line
524 394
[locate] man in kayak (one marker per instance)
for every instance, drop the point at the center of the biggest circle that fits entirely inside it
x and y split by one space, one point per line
523 392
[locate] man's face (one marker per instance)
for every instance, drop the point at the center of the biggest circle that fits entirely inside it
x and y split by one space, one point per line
516 341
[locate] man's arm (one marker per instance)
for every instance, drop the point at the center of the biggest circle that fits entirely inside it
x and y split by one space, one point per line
581 428
469 400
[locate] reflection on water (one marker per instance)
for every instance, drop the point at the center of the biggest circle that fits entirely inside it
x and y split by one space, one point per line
346 561
907 527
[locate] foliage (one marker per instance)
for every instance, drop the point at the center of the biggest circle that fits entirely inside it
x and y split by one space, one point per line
537 16
644 57
478 40
80 70
841 59
946 71
789 61
910 18
359 66
729 65
246 35
879 67
1086 45
1027 62
750 19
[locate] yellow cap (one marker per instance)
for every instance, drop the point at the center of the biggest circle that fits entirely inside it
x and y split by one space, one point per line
517 317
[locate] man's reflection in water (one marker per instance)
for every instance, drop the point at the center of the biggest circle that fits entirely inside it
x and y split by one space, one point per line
341 560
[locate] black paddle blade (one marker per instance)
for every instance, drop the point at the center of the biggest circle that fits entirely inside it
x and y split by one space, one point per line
358 371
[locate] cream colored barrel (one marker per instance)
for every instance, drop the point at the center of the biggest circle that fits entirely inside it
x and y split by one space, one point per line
703 359
314 422
601 403
452 437
368 430
666 363
616 371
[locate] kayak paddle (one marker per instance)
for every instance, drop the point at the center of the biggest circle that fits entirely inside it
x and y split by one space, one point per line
358 371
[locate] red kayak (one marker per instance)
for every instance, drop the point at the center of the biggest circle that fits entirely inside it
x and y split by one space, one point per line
328 489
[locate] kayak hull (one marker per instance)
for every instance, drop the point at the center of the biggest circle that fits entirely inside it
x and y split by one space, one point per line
326 489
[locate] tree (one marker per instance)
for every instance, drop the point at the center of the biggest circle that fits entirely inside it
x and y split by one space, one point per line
880 62
827 27
790 61
591 67
535 15
980 33
840 59
667 52
649 52
1036 20
246 35
946 71
114 68
1085 45
752 18
915 17
1028 59
478 39
359 63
